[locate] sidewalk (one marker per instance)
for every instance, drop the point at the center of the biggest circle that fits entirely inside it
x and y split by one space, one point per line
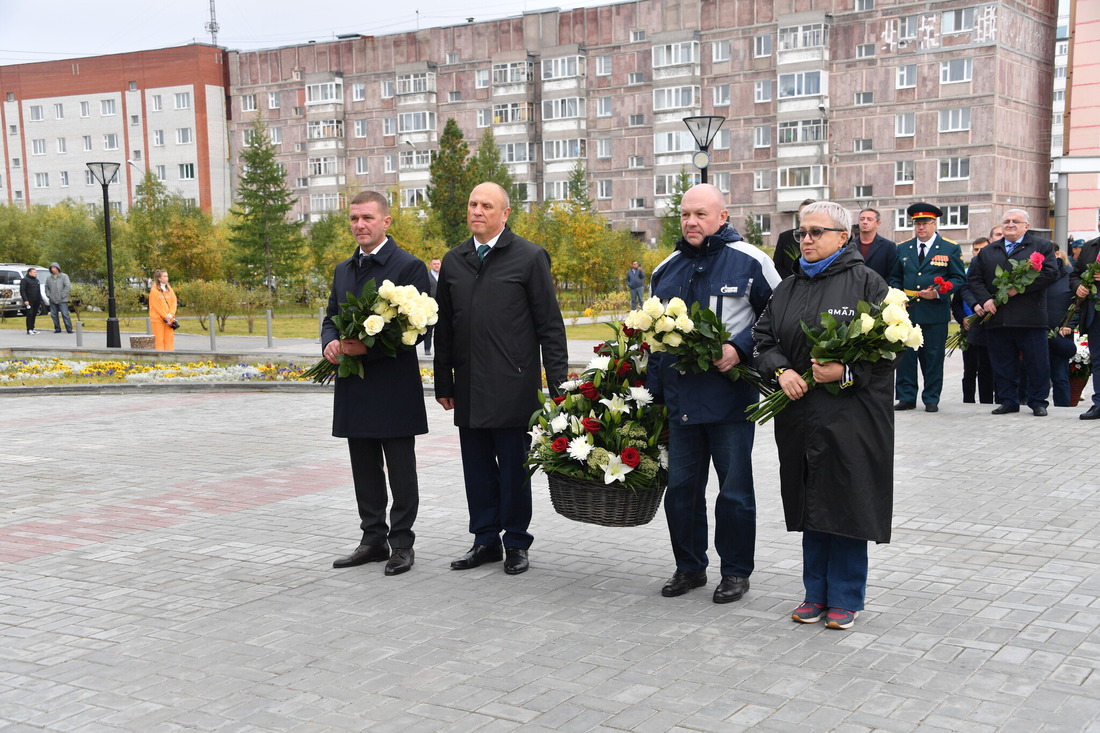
165 565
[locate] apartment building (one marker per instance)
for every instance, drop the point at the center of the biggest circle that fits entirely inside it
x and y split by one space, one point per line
162 111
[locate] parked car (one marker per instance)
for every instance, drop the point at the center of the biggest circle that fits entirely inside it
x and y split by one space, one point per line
11 274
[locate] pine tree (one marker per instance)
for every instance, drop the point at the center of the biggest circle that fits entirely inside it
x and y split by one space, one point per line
752 233
578 186
670 222
486 165
266 245
450 185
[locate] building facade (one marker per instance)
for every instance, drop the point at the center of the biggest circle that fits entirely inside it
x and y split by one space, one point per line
162 111
1081 109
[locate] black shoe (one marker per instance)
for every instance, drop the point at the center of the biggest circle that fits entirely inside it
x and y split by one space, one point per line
401 561
57 330
731 589
516 561
1005 409
70 331
931 408
477 555
363 554
904 406
1039 411
681 582
1093 413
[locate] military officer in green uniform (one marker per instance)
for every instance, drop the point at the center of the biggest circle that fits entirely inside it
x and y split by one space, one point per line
920 261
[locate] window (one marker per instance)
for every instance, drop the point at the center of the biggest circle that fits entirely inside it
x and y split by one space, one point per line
161 172
455 95
325 92
517 152
673 142
954 169
721 140
955 217
323 166
248 102
801 36
389 126
36 113
637 120
762 136
85 109
761 180
273 100
1061 48
603 190
1059 97
637 36
904 172
59 111
452 57
603 66
637 203
1056 142
563 68
762 91
863 192
800 84
862 144
953 72
907 76
481 79
361 166
64 179
865 50
276 135
414 159
761 46
603 148
13 129
635 161
158 138
390 163
721 181
387 89
513 112
187 171
183 101
555 190
135 120
62 145
720 51
18 195
802 131
110 141
955 120
107 107
570 149
301 182
89 179
635 77
325 202
902 220
513 73
957 21
1059 72
603 107
87 139
865 4
565 108
672 54
721 95
484 117
674 98
665 184
907 27
158 104
801 176
905 124
1058 118
38 147
41 180
415 121
865 98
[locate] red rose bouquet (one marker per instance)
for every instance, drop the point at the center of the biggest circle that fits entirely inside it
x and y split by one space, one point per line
1017 278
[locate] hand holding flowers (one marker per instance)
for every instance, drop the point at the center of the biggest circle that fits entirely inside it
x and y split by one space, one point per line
1088 283
1006 283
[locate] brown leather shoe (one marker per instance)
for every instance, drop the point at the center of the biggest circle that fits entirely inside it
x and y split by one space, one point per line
363 554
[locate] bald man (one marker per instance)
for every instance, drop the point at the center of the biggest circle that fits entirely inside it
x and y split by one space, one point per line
714 267
498 310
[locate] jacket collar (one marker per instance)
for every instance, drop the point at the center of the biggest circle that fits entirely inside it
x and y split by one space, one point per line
714 243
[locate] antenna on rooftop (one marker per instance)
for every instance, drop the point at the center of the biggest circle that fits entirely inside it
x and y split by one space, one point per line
212 26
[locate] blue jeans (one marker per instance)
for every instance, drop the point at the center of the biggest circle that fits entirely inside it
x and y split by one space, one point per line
691 449
64 309
637 295
834 570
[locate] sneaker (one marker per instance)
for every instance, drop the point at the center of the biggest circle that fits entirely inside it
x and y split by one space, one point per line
838 618
32 332
809 613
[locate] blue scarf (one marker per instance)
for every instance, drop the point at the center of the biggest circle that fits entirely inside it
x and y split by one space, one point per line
813 269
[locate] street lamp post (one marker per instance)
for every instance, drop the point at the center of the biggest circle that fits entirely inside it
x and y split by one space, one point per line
105 173
703 129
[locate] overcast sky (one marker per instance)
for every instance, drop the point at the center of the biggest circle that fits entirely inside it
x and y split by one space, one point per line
41 30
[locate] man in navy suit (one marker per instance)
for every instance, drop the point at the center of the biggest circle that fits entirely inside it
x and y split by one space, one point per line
879 253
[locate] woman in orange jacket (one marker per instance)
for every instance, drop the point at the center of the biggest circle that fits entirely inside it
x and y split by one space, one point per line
162 311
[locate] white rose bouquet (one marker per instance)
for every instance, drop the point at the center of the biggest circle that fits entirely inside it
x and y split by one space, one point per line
877 332
389 318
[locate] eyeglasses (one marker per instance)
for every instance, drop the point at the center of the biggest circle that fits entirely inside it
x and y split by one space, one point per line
814 233
1006 222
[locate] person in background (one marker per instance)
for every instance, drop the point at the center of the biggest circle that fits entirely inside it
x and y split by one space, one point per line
786 248
879 253
635 280
162 311
1060 345
30 292
433 286
1089 324
976 367
57 292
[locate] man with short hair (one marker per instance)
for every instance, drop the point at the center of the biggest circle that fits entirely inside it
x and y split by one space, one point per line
635 280
57 292
787 250
433 287
714 267
1018 327
30 292
976 367
879 253
1089 319
498 309
920 261
381 412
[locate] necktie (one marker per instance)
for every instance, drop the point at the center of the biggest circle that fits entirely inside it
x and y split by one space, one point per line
482 250
1009 246
365 259
922 250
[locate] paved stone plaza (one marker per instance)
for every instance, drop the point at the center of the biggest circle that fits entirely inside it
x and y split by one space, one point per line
165 565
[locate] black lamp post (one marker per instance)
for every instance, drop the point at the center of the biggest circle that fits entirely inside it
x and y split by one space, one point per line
703 129
105 173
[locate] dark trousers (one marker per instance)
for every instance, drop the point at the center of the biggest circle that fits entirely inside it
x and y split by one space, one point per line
32 314
930 358
428 340
1006 347
691 449
976 368
399 456
834 570
1094 353
498 489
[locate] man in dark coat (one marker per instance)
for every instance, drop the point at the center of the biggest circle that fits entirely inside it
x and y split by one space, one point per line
920 261
433 287
1089 322
786 249
30 292
879 253
976 366
381 413
1019 327
498 309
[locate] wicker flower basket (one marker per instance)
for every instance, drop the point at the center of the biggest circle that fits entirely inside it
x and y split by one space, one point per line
594 502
